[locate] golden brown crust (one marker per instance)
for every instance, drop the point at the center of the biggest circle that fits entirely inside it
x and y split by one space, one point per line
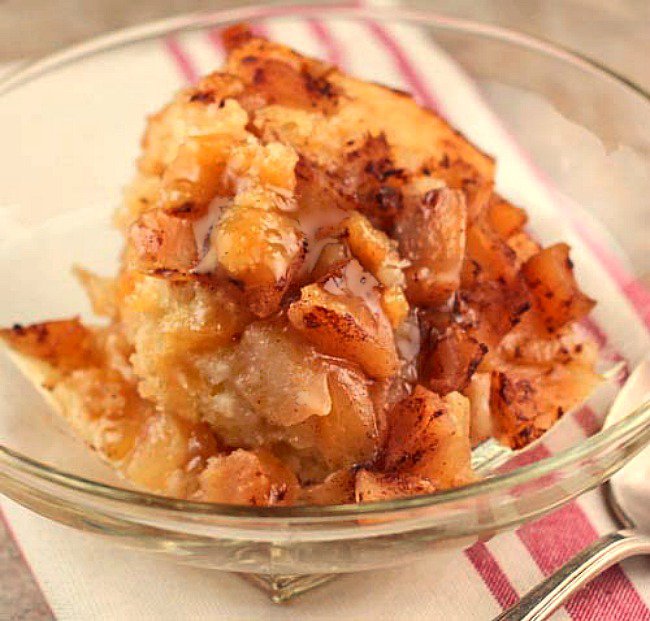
65 344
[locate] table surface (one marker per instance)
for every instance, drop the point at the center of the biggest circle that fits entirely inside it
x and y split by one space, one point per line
615 33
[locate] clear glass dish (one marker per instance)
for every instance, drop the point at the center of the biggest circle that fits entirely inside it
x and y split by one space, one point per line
73 121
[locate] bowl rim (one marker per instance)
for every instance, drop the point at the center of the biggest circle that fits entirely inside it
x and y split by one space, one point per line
637 422
31 69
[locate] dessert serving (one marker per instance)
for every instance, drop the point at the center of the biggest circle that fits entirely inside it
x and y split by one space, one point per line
321 299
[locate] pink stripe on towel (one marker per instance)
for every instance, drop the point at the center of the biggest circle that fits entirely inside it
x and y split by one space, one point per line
494 577
182 60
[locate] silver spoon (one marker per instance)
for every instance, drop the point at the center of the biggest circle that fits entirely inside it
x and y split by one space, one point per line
628 504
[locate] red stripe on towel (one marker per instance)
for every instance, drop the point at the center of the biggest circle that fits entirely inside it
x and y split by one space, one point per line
323 35
415 83
182 60
214 36
494 577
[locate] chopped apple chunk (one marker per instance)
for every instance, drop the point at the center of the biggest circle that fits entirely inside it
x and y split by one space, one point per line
431 235
428 437
349 434
450 360
261 249
247 478
549 274
504 217
280 375
338 488
342 316
380 486
525 403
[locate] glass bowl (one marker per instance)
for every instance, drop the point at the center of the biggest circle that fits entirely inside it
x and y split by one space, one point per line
577 142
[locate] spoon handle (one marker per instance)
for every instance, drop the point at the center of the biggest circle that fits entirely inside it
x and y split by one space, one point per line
540 602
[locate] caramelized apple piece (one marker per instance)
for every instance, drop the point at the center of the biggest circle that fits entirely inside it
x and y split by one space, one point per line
504 218
332 254
431 235
316 189
348 435
336 489
480 417
526 403
362 178
161 242
374 250
449 360
549 274
369 177
488 258
196 175
247 478
530 343
524 246
428 437
395 306
168 453
492 286
342 316
379 486
378 254
385 395
459 174
494 310
271 166
280 375
263 250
